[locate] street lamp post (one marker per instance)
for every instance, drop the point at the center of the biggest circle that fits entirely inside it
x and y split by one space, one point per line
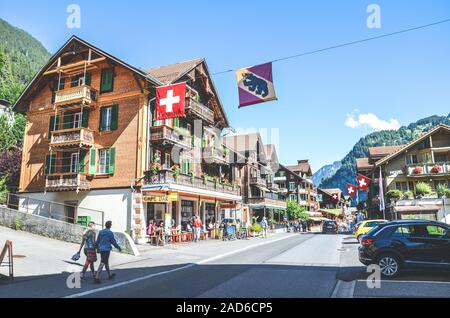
443 205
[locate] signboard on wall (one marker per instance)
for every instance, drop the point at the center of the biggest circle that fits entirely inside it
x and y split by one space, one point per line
163 198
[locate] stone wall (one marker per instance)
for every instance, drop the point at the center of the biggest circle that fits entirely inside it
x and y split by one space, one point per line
55 229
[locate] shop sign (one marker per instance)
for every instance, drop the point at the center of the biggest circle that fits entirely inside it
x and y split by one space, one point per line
156 198
173 197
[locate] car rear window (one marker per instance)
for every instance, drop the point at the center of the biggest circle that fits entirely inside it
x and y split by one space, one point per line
373 223
373 231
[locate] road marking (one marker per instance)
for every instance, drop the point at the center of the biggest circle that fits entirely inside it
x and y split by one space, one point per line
344 289
408 281
135 280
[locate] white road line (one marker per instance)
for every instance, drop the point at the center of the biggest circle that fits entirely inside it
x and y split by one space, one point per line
211 259
408 281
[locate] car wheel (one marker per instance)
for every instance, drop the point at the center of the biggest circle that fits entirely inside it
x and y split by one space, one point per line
389 265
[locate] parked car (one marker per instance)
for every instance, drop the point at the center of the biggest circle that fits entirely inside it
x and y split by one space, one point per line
330 226
366 226
406 243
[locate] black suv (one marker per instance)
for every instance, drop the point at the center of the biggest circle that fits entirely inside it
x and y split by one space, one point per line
406 243
330 227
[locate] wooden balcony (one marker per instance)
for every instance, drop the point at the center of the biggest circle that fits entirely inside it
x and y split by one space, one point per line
262 202
213 155
428 169
69 181
168 177
199 110
258 181
72 137
273 186
168 136
80 94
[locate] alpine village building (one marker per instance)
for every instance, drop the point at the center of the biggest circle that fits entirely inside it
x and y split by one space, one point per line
426 159
92 147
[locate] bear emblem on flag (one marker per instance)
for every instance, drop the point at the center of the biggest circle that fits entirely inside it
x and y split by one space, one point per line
255 84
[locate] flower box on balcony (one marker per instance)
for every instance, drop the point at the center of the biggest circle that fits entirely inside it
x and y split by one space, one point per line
418 170
436 169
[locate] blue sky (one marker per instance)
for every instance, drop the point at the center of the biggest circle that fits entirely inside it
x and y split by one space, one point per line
398 79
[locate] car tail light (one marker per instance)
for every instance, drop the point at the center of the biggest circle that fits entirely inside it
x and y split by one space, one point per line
367 241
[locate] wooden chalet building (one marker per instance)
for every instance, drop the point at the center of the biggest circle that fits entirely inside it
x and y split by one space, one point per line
425 159
90 139
307 191
254 172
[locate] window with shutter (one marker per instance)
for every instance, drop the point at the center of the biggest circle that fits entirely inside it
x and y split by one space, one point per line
114 116
106 81
82 162
92 161
50 162
85 119
112 160
67 120
66 162
52 125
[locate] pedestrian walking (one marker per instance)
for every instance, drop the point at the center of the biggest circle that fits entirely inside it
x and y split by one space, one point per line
197 228
105 241
264 225
304 226
89 244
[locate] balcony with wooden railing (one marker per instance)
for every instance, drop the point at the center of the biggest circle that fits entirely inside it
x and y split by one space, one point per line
80 94
166 135
68 181
199 110
71 137
428 169
273 186
206 183
261 202
258 181
215 156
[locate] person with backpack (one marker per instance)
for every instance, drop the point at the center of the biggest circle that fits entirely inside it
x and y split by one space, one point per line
89 244
105 241
264 225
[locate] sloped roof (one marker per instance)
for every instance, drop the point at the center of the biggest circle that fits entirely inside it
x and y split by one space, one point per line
302 166
169 73
412 143
363 164
383 150
71 40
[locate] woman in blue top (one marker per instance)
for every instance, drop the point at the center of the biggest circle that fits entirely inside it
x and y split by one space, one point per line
104 241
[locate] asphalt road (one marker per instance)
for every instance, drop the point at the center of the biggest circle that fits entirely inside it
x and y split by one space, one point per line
303 266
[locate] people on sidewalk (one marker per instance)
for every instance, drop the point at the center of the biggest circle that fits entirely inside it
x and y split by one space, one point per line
264 225
105 241
197 228
89 244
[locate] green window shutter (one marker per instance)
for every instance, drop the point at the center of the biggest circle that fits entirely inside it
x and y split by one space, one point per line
50 162
176 122
106 81
203 141
85 119
82 161
87 80
100 122
67 120
114 116
92 161
66 162
61 83
112 160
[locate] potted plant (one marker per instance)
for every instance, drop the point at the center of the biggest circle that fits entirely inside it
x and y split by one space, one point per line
394 195
192 175
418 170
216 181
154 167
442 190
176 171
436 169
408 195
422 189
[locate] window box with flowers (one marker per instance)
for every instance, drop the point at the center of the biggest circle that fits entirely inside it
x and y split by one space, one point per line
154 167
418 170
436 169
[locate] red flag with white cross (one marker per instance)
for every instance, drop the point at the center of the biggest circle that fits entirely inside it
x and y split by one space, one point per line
363 182
351 189
170 101
335 196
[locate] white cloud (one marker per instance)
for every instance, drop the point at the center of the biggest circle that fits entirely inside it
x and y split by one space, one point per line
372 121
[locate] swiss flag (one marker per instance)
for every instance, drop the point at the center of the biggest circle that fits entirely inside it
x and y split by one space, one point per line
335 196
351 189
363 182
170 101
